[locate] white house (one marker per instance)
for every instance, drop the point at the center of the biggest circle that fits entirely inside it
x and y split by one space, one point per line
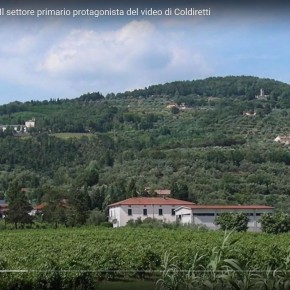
162 208
172 210
206 214
283 139
30 123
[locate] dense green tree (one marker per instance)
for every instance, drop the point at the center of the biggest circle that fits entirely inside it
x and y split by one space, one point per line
97 197
55 205
19 208
132 189
78 206
232 221
174 110
275 224
96 217
179 190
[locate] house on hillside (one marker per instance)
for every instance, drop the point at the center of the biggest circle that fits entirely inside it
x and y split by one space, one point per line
249 113
161 208
205 215
30 123
19 128
171 105
283 139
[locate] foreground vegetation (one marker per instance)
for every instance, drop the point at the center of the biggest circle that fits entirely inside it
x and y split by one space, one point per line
81 258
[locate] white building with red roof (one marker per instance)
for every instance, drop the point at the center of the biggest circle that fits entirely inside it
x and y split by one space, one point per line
172 210
205 215
162 208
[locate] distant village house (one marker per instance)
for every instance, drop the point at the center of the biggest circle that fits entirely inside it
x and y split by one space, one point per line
19 128
283 139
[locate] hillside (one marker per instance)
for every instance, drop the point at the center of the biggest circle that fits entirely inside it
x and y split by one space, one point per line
205 148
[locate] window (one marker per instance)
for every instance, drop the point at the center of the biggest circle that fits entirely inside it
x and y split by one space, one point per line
160 211
129 211
172 211
144 211
203 214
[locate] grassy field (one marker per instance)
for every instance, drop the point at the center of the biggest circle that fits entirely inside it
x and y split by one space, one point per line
129 258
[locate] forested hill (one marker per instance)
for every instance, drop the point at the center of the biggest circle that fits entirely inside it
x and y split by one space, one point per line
231 86
92 112
209 141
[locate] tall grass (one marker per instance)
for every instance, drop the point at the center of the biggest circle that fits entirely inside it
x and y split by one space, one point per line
217 271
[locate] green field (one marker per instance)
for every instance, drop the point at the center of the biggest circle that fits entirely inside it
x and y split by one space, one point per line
90 255
126 285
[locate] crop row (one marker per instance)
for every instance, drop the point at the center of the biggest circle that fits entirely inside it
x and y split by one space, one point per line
42 259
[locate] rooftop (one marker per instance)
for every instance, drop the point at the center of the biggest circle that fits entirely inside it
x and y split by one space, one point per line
245 207
152 201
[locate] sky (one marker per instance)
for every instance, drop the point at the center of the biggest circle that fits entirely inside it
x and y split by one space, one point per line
65 57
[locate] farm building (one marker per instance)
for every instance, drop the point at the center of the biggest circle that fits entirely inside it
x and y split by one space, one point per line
206 214
161 208
172 210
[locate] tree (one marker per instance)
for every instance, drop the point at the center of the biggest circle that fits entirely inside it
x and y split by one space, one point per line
96 217
233 221
97 197
179 190
19 207
275 224
174 110
78 205
88 177
54 211
131 189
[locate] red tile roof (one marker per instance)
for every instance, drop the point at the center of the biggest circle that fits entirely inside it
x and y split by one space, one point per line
40 206
3 208
152 201
250 207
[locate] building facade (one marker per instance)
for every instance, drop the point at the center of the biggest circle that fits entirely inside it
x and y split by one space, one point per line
205 215
174 210
161 208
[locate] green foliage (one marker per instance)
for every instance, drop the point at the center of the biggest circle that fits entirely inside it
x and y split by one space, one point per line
174 110
232 221
19 207
72 258
275 224
221 270
179 190
96 217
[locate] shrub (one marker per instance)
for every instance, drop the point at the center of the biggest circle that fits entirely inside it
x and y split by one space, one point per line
275 224
96 217
106 224
233 221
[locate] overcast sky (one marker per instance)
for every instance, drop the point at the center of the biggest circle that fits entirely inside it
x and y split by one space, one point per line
61 57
